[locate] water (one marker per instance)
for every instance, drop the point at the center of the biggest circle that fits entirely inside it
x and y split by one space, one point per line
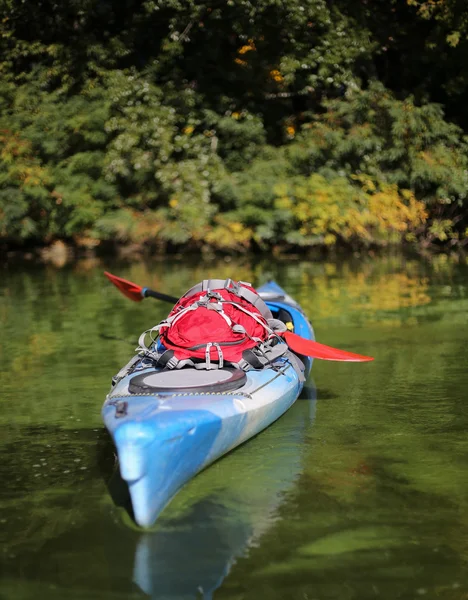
359 491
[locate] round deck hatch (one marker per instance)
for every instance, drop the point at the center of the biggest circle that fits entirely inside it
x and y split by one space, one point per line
188 380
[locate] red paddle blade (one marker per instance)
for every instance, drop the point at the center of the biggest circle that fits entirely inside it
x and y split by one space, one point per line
304 346
129 289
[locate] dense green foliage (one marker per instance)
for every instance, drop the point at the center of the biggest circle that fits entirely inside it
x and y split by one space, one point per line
233 124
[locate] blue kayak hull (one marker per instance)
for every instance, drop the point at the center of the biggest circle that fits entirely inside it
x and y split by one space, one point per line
165 439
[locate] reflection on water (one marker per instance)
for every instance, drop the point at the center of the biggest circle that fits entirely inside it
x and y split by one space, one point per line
370 501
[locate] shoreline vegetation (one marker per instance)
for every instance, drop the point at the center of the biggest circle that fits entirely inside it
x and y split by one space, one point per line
230 127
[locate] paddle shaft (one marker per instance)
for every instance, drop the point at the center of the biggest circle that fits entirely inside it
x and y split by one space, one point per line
147 292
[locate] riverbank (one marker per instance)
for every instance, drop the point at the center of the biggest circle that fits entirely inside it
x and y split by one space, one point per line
61 254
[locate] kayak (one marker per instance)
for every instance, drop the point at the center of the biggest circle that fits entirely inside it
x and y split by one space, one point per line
167 425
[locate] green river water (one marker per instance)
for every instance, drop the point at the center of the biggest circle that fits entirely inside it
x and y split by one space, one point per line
360 491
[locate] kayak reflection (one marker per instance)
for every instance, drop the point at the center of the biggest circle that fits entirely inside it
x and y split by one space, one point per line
223 511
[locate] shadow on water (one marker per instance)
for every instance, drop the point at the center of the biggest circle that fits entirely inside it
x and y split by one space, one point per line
116 486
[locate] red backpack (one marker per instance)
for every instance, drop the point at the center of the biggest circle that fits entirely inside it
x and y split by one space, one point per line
214 323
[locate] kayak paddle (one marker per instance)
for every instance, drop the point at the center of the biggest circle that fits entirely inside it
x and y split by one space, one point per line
307 347
137 292
297 343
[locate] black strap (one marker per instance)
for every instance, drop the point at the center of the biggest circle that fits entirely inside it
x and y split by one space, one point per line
252 359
